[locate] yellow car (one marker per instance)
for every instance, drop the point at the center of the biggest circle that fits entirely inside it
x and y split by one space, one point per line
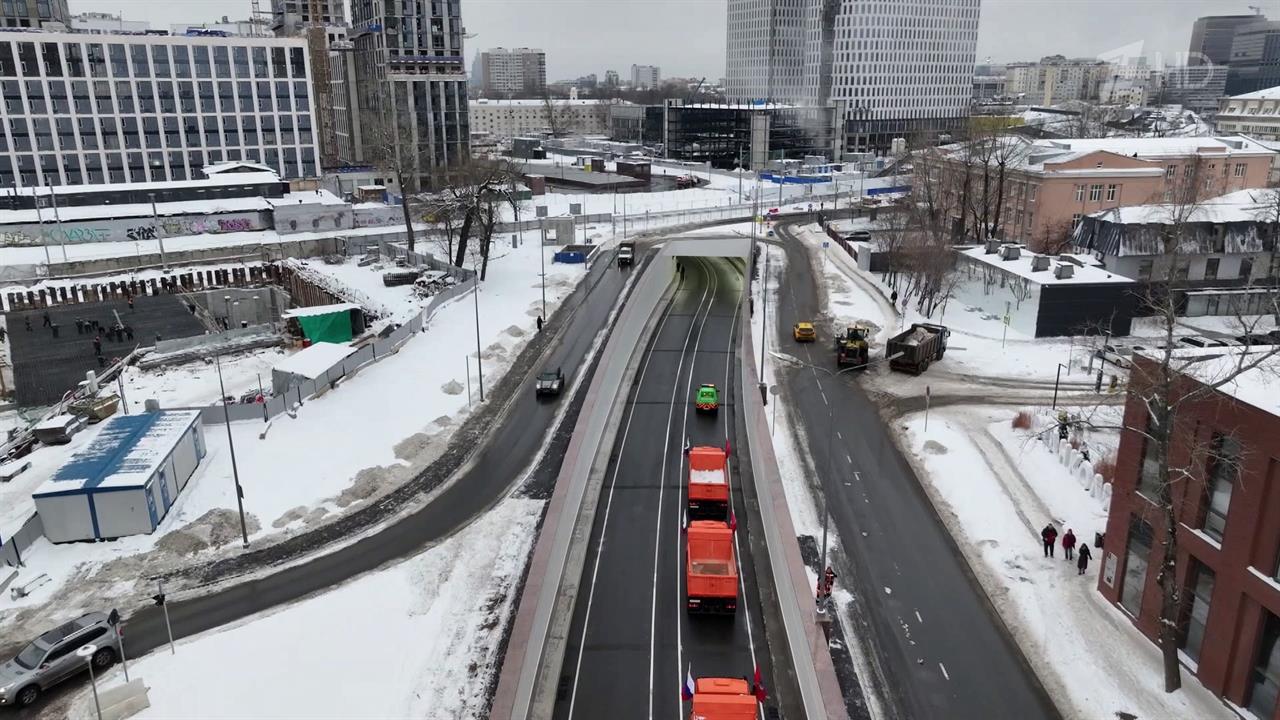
804 332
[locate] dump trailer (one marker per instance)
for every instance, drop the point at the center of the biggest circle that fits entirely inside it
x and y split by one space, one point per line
708 484
722 699
711 575
626 254
921 344
852 347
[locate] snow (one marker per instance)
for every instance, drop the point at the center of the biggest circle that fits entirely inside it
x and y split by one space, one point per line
1257 382
1271 93
1148 147
217 180
995 491
318 310
195 384
1273 582
418 639
1253 205
706 477
125 453
1086 274
130 210
316 360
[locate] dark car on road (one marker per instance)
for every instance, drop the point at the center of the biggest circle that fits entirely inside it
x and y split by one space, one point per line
549 384
51 658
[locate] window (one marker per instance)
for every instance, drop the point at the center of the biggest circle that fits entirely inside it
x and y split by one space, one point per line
1031 190
1187 170
1211 268
1111 193
1264 685
1240 168
1144 268
1196 609
1079 193
1182 271
1224 470
1171 171
1246 269
1075 219
1095 193
1137 550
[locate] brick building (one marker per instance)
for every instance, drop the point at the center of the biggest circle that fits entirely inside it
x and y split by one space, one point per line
1228 511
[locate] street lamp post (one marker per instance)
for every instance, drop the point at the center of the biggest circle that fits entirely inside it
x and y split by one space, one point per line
44 236
235 471
476 297
53 198
1057 378
155 218
86 652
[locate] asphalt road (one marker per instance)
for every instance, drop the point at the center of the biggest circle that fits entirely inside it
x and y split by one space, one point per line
631 640
922 619
500 463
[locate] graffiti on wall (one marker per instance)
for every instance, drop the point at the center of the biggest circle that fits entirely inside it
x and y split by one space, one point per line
17 239
143 232
235 225
122 230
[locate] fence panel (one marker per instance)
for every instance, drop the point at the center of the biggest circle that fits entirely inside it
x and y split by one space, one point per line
31 530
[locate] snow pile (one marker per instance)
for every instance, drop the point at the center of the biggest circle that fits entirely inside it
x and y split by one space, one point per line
706 477
420 639
996 491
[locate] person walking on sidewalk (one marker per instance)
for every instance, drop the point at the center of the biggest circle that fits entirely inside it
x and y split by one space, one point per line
1083 558
47 321
1068 544
1050 536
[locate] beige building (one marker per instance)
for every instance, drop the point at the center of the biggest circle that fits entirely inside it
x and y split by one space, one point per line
1256 114
1048 185
517 118
1056 79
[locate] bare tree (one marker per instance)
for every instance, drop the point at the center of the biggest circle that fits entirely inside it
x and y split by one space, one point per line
392 147
559 115
472 199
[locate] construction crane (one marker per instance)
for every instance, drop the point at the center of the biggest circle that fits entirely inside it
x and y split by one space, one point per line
1256 10
318 46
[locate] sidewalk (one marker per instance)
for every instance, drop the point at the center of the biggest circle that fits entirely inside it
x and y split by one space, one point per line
996 488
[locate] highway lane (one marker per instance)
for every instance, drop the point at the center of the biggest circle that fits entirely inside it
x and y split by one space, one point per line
500 460
922 619
631 640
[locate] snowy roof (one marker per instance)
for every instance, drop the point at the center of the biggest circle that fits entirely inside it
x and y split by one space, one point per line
1271 93
536 102
218 180
222 167
1161 147
314 361
307 197
125 453
1233 223
135 210
1086 271
739 106
319 310
1258 386
1254 205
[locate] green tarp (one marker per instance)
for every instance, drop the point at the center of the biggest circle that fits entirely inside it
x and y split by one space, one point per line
333 327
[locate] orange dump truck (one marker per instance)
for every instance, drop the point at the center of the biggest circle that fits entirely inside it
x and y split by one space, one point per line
722 699
711 575
708 483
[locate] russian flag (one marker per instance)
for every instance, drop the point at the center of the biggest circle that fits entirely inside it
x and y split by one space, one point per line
733 521
760 693
686 692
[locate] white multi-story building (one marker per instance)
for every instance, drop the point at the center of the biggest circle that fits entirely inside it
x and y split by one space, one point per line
645 76
512 71
83 109
96 23
896 69
1056 79
1256 114
518 118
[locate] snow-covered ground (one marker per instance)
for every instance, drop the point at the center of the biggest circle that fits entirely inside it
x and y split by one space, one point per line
418 639
995 488
344 448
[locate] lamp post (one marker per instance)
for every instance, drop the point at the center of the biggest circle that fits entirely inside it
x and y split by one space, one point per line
44 236
155 218
86 652
476 297
53 198
1056 378
235 471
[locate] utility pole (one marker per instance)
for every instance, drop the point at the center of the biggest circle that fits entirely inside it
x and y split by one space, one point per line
235 471
44 236
155 218
53 197
476 296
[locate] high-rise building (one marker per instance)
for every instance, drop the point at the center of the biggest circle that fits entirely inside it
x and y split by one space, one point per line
1211 38
516 71
290 18
83 109
896 69
645 76
611 78
1196 87
1255 58
35 14
411 85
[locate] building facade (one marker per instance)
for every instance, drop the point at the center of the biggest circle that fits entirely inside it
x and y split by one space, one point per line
518 118
1049 185
35 14
1196 87
290 18
1256 114
411 85
748 135
1255 58
96 23
1212 36
506 72
1227 507
893 69
86 109
645 76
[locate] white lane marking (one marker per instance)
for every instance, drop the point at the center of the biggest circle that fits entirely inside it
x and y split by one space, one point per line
840 435
657 530
918 618
681 504
848 459
945 674
604 527
824 396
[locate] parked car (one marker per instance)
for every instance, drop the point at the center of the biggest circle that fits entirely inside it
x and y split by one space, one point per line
1117 355
1201 342
51 658
549 383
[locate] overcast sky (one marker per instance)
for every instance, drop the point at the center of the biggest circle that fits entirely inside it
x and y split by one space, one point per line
687 37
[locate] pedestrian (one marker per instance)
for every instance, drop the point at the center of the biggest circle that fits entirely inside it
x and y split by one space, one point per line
1050 536
79 326
128 330
102 362
893 297
130 302
47 321
97 345
539 323
1068 544
1082 560
3 332
27 321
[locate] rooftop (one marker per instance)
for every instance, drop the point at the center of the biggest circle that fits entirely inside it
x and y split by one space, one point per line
314 361
1256 205
217 180
536 102
211 206
1271 93
1086 270
125 453
1033 155
1258 382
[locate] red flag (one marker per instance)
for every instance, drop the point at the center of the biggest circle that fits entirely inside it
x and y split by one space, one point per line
726 446
760 692
733 521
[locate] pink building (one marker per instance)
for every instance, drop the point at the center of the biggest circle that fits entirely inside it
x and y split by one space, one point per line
1048 185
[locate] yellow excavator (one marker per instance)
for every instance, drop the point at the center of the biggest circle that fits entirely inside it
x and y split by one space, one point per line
852 346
